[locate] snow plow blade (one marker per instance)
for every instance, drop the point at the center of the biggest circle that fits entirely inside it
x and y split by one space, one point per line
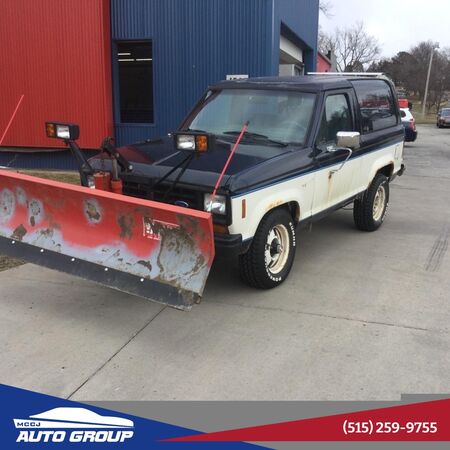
154 250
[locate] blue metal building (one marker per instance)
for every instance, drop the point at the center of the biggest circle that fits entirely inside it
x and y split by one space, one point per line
196 43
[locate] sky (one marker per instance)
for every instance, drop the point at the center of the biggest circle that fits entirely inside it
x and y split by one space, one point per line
397 24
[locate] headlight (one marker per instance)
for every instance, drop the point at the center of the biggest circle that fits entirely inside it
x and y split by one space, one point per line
185 142
66 131
194 141
218 206
63 131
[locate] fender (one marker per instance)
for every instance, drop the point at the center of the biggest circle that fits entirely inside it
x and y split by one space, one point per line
380 163
258 203
393 157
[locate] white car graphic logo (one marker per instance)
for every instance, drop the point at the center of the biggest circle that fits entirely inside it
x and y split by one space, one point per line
73 418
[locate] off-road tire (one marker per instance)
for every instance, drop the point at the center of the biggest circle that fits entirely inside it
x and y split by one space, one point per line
363 208
253 266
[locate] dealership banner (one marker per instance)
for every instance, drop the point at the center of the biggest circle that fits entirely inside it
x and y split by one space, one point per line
32 420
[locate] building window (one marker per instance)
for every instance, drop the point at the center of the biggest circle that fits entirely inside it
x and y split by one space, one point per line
135 60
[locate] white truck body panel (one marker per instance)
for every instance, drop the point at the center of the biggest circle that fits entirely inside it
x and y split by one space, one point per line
315 191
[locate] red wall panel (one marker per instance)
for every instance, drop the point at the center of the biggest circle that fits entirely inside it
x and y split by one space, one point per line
58 54
323 65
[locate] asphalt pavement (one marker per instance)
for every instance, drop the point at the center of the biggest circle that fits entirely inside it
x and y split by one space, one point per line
363 316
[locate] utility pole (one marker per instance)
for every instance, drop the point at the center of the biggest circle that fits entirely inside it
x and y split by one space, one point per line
424 105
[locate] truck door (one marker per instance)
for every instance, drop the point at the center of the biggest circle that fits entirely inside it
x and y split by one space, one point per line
335 179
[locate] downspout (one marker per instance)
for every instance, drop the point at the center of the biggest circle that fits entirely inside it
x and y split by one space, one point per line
275 56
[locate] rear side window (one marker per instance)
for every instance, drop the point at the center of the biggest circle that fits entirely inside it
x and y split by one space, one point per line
377 105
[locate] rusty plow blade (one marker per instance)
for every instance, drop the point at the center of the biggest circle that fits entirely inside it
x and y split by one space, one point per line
154 250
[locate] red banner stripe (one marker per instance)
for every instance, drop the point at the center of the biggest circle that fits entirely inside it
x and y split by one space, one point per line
428 421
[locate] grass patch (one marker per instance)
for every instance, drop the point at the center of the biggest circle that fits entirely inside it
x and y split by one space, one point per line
430 117
427 119
66 177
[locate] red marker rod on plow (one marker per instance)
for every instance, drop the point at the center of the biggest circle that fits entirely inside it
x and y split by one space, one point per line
11 120
225 167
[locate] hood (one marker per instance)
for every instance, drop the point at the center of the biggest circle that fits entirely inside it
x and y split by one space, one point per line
154 159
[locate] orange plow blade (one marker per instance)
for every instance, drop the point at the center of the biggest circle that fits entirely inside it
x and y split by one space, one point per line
155 250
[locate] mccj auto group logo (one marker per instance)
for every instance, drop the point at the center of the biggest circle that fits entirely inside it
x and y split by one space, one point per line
73 425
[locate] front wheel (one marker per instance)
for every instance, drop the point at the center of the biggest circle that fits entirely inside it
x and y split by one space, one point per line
269 259
370 211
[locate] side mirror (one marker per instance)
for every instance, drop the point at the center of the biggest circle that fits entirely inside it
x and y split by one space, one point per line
348 139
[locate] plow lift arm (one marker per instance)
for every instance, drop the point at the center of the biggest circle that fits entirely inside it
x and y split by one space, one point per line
84 167
158 251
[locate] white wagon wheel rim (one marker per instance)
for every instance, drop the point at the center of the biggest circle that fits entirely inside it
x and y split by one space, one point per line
379 203
277 249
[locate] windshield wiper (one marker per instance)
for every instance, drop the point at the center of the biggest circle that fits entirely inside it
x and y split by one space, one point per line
198 131
251 135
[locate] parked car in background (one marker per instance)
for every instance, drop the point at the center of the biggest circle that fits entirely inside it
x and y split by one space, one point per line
409 124
443 118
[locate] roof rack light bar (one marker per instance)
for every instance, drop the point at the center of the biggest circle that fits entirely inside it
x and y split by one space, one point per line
349 74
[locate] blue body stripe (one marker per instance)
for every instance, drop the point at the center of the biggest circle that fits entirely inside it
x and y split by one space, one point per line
284 180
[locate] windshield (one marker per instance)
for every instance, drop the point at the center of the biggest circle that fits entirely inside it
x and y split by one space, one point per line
273 116
445 112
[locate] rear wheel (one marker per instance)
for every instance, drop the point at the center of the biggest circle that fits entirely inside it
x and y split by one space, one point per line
370 211
269 259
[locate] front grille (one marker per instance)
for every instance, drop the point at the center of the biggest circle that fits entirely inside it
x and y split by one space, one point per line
140 190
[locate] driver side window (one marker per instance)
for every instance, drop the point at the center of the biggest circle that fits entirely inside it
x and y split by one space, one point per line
336 117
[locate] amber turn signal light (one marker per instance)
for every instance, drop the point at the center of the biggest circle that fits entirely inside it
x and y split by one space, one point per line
201 142
220 229
50 130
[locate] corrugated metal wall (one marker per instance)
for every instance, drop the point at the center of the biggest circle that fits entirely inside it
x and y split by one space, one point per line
302 18
57 53
195 43
199 42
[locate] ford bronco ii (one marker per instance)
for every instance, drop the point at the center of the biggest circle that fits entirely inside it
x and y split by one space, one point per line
313 144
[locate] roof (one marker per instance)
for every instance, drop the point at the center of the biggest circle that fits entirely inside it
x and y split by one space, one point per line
311 83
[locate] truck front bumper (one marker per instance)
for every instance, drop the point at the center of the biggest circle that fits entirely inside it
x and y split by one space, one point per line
230 245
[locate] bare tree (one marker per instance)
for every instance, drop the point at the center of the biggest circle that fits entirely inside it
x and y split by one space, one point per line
325 8
440 74
408 69
354 47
